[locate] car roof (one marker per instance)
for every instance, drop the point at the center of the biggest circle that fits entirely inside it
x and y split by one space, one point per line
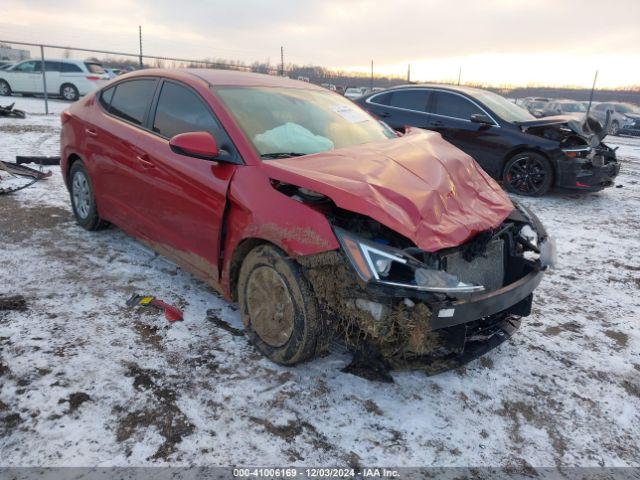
454 88
216 77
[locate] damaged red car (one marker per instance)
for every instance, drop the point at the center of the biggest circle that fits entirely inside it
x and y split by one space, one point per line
316 218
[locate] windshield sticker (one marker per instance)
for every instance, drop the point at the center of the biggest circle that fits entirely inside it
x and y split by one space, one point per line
351 114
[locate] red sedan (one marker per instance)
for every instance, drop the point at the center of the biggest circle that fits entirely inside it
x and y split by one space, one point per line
311 214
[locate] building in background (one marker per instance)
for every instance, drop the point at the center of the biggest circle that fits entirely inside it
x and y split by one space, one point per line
13 54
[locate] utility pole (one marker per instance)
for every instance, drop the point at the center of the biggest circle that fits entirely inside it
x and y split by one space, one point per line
409 73
595 77
140 37
459 74
44 81
371 81
282 61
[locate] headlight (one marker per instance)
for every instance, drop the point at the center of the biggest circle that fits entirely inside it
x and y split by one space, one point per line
378 263
577 152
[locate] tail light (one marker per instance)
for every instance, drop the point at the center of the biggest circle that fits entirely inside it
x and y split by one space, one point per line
93 77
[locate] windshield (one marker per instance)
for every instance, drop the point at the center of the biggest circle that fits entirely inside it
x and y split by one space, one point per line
295 121
625 108
502 107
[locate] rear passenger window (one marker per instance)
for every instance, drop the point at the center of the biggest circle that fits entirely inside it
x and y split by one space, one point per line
451 105
410 99
131 100
69 68
50 66
106 96
179 111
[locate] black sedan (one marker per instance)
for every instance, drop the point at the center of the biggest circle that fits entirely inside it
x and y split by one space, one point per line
529 155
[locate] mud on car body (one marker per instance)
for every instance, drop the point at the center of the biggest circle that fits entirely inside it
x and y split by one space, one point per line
318 220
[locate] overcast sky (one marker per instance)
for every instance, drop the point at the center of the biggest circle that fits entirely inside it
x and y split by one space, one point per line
558 42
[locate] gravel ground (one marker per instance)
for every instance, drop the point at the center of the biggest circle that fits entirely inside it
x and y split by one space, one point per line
86 381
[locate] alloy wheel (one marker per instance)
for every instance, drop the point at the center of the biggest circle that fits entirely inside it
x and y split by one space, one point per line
526 175
81 194
69 93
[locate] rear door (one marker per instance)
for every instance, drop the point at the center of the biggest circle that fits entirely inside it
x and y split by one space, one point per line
115 141
451 116
53 71
186 196
401 108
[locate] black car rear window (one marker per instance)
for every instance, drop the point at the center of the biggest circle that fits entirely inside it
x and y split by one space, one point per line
132 99
410 99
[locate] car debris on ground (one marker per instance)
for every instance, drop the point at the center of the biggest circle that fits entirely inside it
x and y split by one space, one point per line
48 160
13 170
9 111
171 313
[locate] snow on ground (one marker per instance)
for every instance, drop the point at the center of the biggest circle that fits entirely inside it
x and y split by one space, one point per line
86 381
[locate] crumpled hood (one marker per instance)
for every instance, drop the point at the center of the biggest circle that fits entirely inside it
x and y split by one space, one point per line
552 120
418 185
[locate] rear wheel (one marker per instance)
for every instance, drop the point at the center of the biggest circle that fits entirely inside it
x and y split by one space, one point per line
5 89
83 201
278 307
528 173
69 92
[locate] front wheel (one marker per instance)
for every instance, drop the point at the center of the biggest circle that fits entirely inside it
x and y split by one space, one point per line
615 128
5 89
278 307
83 201
69 92
528 173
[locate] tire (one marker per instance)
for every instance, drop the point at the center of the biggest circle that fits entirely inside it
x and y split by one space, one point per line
69 92
5 89
528 173
278 307
83 201
615 128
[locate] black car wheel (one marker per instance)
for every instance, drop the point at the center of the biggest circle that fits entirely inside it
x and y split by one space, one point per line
528 173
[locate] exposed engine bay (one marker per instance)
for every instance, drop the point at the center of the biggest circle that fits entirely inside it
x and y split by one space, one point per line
396 305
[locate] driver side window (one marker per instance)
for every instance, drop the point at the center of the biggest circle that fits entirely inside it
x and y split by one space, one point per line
27 67
454 106
180 111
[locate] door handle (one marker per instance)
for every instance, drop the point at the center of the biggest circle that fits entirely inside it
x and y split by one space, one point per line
383 114
91 132
436 123
144 161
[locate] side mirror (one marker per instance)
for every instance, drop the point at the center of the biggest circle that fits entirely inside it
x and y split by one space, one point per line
481 118
195 144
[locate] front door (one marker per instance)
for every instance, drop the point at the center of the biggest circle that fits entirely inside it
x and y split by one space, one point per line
185 197
26 77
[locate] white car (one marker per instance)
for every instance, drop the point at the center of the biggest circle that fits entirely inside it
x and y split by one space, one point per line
356 92
68 78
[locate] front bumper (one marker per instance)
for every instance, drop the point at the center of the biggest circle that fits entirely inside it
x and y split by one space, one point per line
631 130
586 174
510 299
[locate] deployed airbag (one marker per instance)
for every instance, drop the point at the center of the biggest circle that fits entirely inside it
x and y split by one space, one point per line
291 137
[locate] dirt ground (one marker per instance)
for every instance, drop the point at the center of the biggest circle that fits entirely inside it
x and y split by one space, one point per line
86 380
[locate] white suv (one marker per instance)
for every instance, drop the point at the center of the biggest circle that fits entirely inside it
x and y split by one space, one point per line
68 78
